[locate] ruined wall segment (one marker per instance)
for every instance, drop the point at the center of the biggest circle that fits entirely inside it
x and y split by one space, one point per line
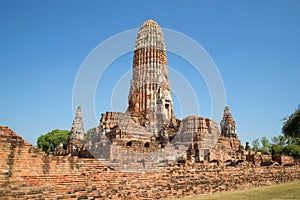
200 135
17 158
28 173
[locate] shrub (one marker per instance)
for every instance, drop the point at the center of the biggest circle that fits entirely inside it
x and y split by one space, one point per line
276 149
292 150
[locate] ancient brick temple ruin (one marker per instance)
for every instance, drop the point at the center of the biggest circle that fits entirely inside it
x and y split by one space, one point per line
149 132
75 145
176 158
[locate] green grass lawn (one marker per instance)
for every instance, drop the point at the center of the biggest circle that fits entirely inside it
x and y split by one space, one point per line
279 191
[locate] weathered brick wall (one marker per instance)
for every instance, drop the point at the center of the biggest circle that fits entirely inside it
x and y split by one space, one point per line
28 173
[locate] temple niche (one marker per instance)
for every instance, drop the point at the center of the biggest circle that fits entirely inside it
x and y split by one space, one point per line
149 125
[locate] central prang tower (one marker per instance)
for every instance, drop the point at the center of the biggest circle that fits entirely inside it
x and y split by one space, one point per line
149 123
150 97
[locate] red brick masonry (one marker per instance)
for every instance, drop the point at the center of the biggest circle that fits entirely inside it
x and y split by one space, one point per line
28 173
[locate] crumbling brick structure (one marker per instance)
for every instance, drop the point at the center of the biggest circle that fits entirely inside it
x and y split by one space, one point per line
28 173
176 158
149 124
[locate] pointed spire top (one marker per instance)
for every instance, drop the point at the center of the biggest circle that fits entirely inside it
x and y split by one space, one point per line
227 110
150 36
77 130
78 113
151 22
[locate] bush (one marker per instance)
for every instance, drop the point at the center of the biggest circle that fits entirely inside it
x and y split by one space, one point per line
276 149
292 150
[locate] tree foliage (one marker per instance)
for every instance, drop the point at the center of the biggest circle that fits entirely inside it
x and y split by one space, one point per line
276 149
280 140
281 145
49 141
285 140
263 145
255 145
288 143
291 124
292 150
266 146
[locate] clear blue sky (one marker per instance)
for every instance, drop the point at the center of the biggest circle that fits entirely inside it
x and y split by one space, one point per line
255 45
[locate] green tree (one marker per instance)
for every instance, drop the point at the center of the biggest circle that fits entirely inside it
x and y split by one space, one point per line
265 145
262 145
255 145
291 124
292 150
276 149
49 141
293 140
280 140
